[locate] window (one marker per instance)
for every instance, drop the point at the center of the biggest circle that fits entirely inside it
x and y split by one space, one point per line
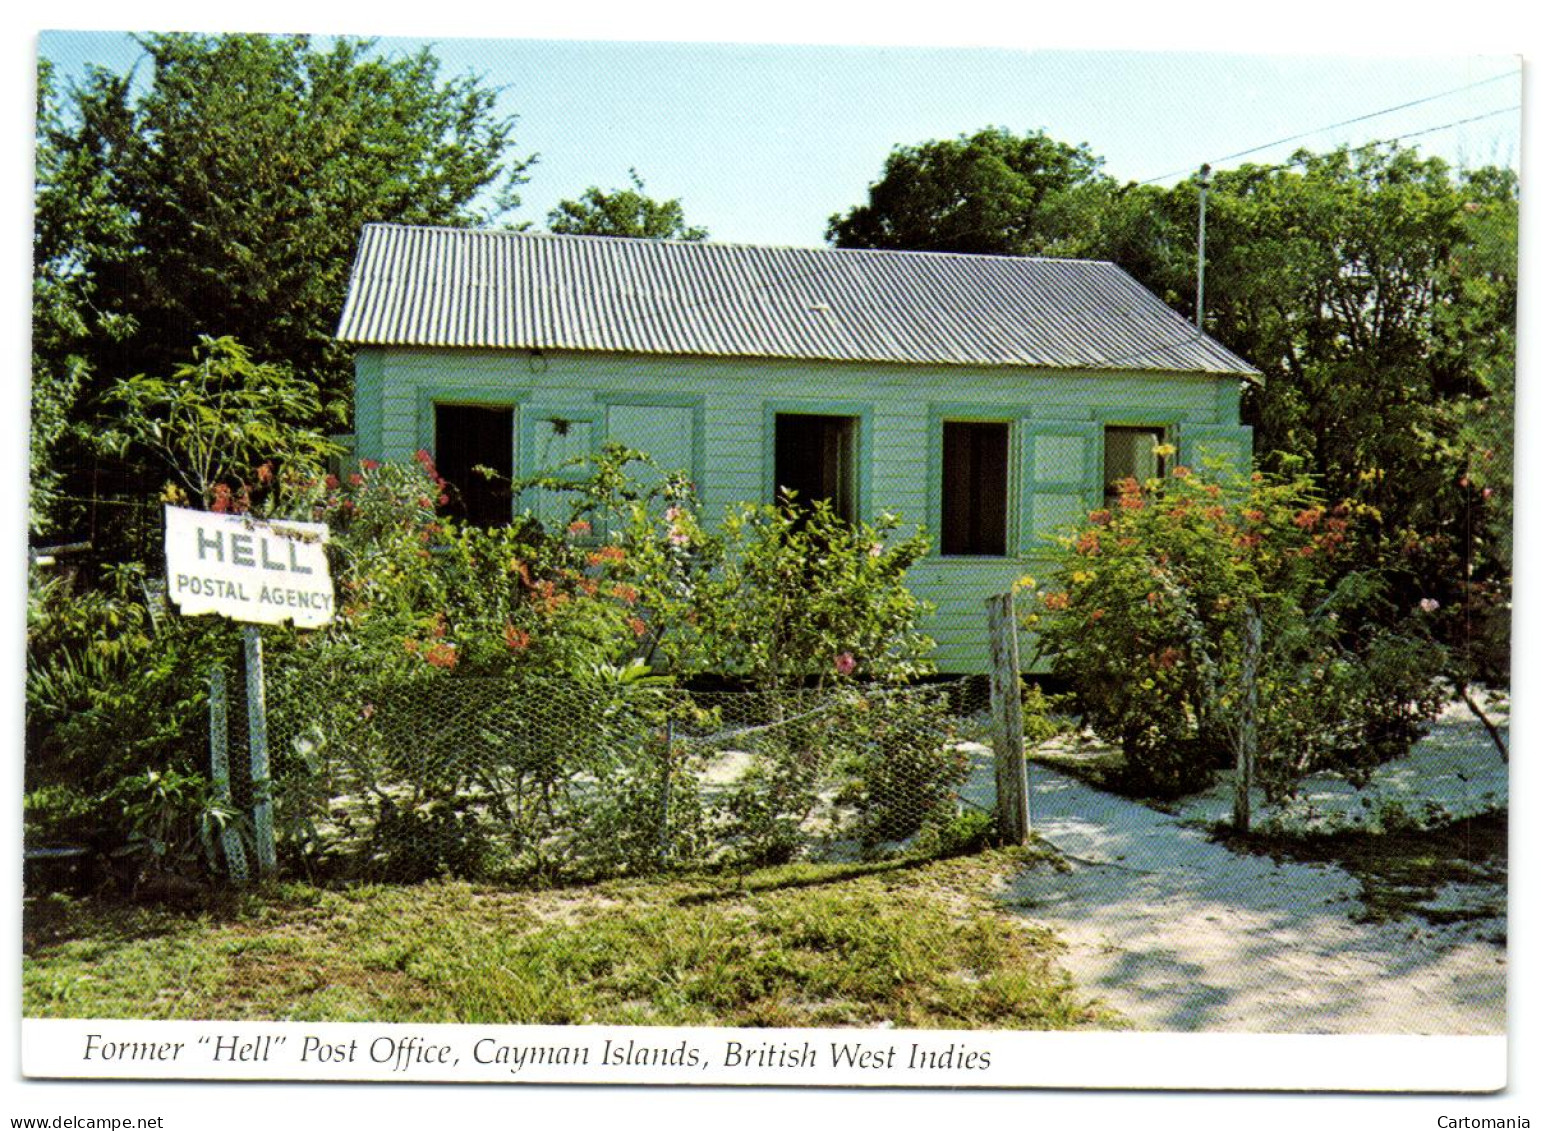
471 436
975 486
816 459
1130 453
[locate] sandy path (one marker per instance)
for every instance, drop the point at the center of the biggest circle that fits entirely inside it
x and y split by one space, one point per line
1180 934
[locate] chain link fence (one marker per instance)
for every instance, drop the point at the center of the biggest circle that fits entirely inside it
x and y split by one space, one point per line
407 779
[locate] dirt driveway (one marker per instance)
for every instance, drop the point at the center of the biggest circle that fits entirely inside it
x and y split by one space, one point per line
1180 934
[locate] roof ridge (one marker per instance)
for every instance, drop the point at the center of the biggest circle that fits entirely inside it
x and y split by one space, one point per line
514 233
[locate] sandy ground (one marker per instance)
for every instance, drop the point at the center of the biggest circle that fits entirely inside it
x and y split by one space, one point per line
1180 934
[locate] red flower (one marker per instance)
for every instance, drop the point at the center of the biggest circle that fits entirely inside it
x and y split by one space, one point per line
1056 601
369 464
442 656
579 527
221 503
1307 519
1099 517
845 663
1088 543
624 593
517 639
332 483
638 626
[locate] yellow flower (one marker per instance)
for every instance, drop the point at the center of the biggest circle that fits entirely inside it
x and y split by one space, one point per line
1025 582
1164 450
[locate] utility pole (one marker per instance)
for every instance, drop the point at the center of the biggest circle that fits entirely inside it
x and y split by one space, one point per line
1198 316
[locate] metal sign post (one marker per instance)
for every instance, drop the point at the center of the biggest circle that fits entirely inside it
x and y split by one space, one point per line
257 730
219 760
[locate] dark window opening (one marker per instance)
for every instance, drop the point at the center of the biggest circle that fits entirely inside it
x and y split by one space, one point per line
471 436
1130 453
975 481
816 459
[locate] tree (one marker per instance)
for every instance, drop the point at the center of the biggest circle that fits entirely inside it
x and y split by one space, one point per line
234 181
992 192
220 423
75 222
623 212
1376 291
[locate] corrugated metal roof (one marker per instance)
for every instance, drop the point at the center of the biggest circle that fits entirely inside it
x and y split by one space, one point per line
416 286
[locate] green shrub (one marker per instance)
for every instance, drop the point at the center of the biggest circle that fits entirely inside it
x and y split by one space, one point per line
1154 606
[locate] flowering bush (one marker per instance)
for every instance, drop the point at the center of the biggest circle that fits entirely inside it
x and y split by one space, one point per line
1199 608
803 598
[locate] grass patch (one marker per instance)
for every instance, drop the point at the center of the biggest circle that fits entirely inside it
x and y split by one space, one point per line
1404 873
914 945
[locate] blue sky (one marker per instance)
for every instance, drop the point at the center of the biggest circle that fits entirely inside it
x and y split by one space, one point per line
764 142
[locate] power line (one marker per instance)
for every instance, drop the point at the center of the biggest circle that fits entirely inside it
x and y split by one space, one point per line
1381 141
1353 121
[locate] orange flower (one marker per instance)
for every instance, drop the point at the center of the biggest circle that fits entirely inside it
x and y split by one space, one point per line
638 626
442 656
579 527
624 593
517 639
1088 543
1056 601
607 554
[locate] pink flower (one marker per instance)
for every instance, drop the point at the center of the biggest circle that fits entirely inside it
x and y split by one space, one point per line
845 663
1428 604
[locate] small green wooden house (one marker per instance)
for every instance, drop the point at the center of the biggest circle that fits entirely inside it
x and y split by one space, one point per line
989 398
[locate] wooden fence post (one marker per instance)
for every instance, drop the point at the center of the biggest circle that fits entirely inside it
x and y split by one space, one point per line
1011 804
1246 730
219 763
261 782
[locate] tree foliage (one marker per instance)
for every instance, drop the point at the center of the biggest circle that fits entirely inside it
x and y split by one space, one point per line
220 423
225 188
992 192
623 212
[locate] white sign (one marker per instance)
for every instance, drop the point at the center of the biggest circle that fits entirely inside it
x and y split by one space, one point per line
247 569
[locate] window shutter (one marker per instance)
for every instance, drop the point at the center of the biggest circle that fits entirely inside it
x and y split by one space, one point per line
1061 478
1229 443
